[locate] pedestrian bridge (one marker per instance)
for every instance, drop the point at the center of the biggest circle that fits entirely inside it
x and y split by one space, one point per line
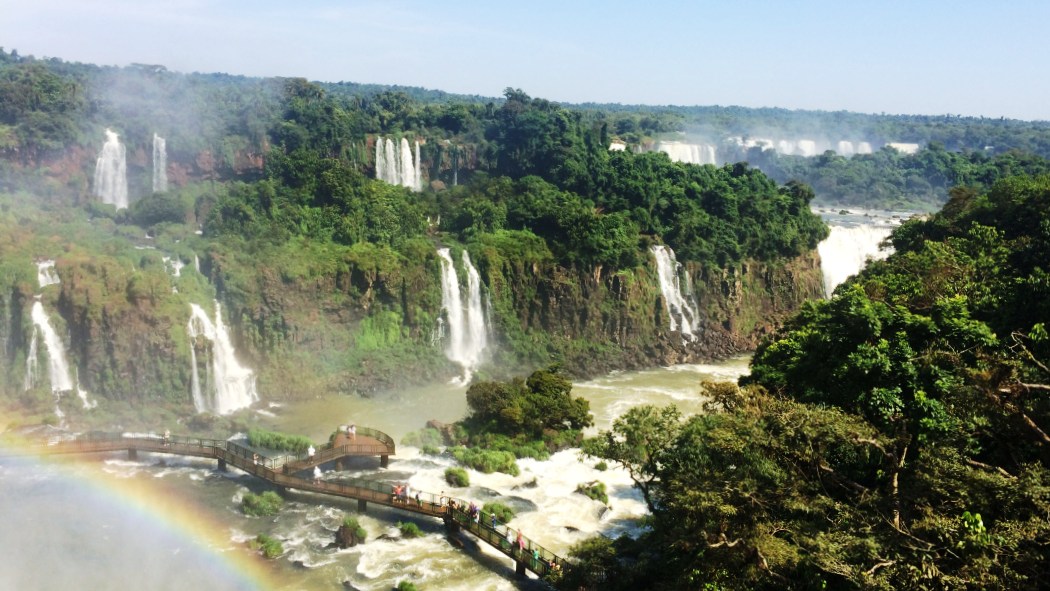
286 472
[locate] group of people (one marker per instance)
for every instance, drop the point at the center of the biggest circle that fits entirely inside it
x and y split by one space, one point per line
402 493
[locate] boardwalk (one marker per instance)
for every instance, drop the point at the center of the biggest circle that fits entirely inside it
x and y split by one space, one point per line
285 472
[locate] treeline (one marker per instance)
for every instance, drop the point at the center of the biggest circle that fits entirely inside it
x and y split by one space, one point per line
888 179
893 437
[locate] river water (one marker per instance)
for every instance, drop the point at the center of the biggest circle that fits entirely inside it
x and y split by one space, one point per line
167 522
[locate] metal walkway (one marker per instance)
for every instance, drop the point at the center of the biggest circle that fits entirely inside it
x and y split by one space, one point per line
283 471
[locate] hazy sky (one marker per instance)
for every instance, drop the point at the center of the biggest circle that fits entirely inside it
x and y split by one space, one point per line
916 56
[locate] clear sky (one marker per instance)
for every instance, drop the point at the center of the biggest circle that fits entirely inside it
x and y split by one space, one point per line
934 57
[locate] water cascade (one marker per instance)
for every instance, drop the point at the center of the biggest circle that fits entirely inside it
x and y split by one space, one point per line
681 310
160 165
45 273
111 172
232 385
57 361
847 249
688 153
395 165
468 335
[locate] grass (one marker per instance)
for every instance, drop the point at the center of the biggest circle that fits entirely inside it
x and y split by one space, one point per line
268 503
457 477
269 547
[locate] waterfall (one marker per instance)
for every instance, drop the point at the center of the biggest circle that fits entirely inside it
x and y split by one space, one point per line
30 379
864 148
57 360
160 165
468 335
111 172
395 165
45 273
845 148
232 385
687 153
847 249
681 310
174 265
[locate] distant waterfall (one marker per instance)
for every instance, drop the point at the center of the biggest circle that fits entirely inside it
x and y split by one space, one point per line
847 249
232 386
111 172
160 165
45 273
395 165
688 153
681 310
468 335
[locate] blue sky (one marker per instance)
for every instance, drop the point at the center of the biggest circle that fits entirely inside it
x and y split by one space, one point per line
927 57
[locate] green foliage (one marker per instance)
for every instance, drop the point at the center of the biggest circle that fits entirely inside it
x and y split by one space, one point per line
485 460
503 513
543 402
405 586
409 529
457 477
885 439
351 523
594 490
423 438
278 441
601 466
263 505
271 548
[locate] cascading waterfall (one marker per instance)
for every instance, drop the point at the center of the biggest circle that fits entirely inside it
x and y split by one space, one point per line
111 172
681 311
468 335
160 165
847 249
45 273
395 165
232 385
57 361
688 153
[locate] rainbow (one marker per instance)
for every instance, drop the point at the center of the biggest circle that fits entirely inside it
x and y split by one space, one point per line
69 525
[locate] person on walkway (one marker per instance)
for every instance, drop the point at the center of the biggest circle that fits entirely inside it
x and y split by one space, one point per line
310 452
510 539
521 542
493 520
419 501
353 432
167 437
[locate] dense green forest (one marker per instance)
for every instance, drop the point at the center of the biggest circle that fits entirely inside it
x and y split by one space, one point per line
894 437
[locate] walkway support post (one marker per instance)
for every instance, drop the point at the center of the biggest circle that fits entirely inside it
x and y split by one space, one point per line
519 569
384 461
361 505
222 465
133 454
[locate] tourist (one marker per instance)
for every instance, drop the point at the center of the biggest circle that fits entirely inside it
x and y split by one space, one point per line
493 521
310 451
353 432
167 437
521 542
419 501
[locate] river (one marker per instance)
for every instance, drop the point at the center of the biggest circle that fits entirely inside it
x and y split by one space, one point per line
167 522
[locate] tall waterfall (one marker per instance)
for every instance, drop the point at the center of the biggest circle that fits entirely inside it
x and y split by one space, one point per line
395 165
468 335
45 273
681 310
57 361
847 249
232 386
160 164
688 153
111 172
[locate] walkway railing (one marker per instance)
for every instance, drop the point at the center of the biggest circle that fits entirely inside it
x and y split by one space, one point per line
505 539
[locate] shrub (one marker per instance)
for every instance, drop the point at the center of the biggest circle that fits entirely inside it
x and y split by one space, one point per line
601 466
409 530
278 441
270 547
268 503
594 490
503 513
457 477
430 450
352 524
405 586
487 461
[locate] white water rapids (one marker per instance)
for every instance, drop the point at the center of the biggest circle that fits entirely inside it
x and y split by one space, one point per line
114 544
